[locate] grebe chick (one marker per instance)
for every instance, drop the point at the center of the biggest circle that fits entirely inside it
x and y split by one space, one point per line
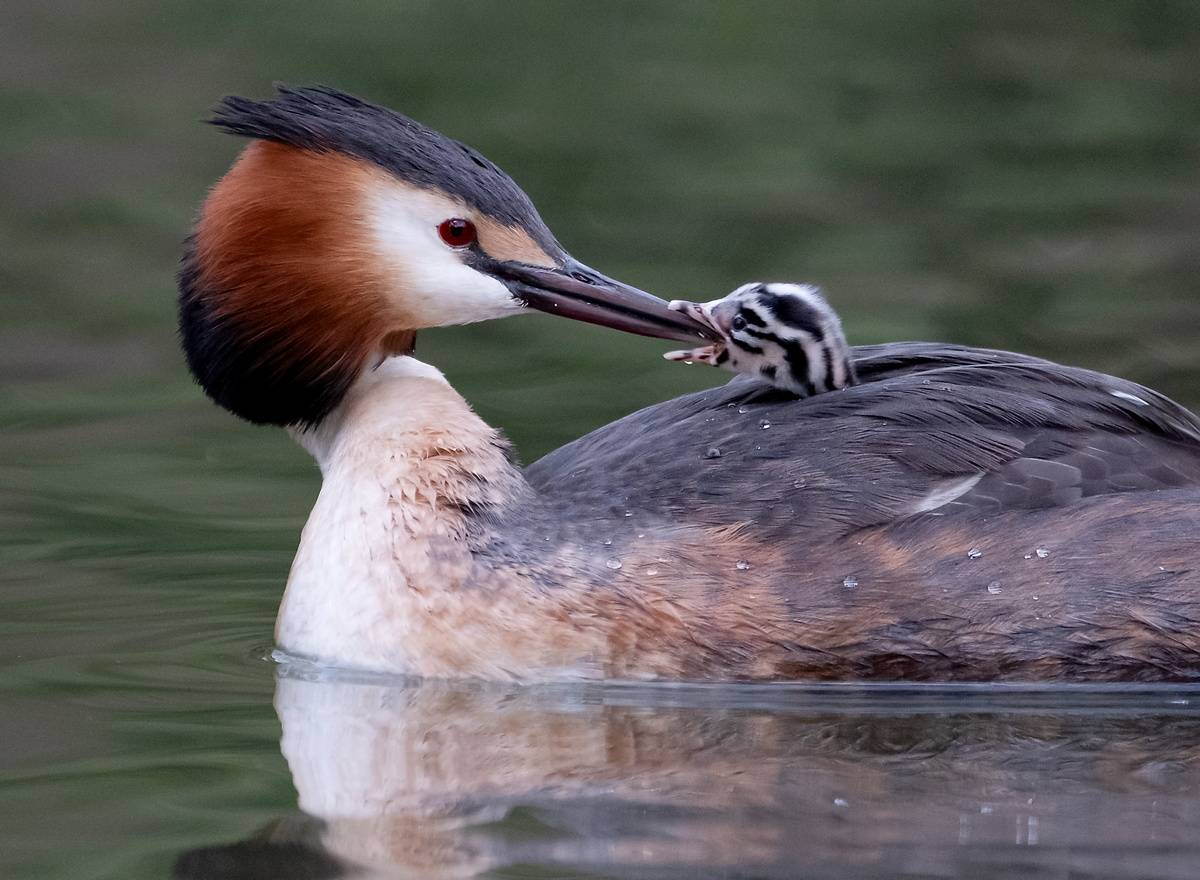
787 334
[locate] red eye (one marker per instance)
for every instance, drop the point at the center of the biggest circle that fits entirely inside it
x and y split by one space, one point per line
457 232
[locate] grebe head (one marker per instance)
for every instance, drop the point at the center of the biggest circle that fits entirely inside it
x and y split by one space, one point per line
785 333
344 228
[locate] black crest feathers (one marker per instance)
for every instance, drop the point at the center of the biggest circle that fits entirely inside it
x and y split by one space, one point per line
326 120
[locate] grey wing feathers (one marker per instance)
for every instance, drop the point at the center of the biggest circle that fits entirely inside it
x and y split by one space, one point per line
957 428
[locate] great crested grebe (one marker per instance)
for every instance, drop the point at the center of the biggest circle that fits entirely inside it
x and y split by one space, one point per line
960 514
786 334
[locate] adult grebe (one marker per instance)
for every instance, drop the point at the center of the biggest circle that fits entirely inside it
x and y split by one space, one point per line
960 514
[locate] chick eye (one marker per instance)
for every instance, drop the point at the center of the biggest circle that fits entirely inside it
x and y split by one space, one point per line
457 232
738 323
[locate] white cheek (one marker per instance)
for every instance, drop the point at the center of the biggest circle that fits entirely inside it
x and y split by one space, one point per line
431 283
445 291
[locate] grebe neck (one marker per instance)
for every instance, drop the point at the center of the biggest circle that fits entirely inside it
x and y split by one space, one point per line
413 482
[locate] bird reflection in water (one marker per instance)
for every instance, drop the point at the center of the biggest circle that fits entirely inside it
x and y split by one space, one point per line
443 781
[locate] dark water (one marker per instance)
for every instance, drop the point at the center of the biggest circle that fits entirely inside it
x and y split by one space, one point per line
1021 175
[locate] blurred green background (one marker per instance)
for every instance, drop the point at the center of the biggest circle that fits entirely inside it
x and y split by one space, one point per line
1018 175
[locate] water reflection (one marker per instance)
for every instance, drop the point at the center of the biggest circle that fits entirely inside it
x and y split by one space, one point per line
440 781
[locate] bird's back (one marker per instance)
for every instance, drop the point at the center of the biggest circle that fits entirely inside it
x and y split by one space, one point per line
925 421
962 514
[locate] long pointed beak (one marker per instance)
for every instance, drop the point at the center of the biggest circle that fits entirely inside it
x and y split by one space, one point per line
575 291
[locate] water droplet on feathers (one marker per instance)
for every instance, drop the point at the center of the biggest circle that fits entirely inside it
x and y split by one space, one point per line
974 553
994 587
849 582
1042 552
764 424
614 564
743 565
713 452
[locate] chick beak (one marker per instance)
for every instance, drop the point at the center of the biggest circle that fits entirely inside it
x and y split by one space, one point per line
716 316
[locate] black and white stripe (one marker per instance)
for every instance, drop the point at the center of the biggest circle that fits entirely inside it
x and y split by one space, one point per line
787 334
